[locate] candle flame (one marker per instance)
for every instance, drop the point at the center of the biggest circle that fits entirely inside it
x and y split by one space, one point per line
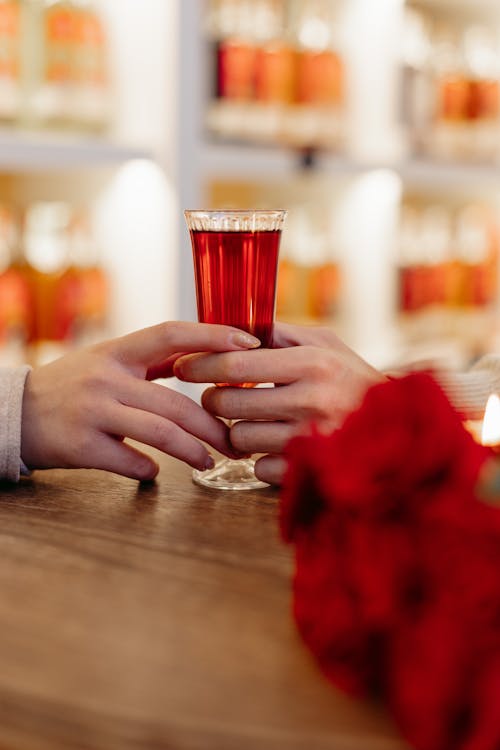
491 422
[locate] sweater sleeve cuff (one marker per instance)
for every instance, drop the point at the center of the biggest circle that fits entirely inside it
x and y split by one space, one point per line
11 412
24 471
469 391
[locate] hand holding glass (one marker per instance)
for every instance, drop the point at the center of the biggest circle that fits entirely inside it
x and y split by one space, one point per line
235 256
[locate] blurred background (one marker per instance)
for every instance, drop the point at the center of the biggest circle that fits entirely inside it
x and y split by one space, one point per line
375 122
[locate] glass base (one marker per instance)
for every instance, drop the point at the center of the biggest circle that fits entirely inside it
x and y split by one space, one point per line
230 475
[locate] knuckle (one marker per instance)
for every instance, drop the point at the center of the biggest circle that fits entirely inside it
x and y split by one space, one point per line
306 354
234 367
310 406
162 433
221 401
209 399
240 437
325 336
179 407
95 379
327 333
318 364
231 403
101 349
167 331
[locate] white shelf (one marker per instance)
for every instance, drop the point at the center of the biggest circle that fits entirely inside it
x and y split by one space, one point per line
23 151
478 7
422 171
247 162
240 161
451 174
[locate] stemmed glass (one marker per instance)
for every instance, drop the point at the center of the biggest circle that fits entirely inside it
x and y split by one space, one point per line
235 255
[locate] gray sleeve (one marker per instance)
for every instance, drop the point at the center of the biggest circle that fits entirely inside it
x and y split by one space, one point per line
469 391
12 381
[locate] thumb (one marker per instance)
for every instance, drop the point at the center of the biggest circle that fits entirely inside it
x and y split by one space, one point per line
151 347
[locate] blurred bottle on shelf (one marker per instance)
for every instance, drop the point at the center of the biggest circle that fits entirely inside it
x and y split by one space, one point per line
236 50
315 119
448 273
424 270
288 305
49 61
309 273
482 57
437 242
411 273
232 31
65 80
90 68
325 277
68 286
279 71
46 252
10 60
15 298
477 252
448 134
292 303
416 82
89 284
274 72
450 92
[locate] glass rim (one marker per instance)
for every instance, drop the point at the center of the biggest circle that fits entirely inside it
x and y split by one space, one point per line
236 211
235 220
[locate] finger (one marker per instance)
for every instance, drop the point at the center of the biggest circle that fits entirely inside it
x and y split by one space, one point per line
261 437
178 408
120 458
157 432
287 335
152 346
270 469
279 404
260 366
165 369
314 338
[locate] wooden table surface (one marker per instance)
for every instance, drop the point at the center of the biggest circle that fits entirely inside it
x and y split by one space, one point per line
157 616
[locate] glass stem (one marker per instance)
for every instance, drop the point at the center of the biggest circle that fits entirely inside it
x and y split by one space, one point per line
230 423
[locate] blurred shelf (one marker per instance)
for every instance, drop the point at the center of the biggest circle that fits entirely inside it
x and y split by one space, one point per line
26 151
247 162
424 171
455 174
231 160
489 7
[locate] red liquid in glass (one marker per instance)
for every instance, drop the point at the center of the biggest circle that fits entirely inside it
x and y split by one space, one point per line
235 275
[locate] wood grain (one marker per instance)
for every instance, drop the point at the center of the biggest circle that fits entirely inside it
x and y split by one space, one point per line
157 616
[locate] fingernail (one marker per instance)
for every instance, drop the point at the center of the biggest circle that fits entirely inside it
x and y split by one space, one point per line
245 340
148 472
209 463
